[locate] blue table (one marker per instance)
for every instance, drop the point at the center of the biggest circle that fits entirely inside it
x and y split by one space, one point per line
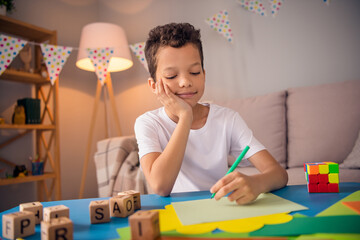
79 209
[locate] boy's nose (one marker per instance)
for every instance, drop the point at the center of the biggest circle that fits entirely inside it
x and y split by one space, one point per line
185 82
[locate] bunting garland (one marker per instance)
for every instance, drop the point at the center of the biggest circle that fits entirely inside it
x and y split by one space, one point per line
221 24
138 50
255 6
275 6
9 49
100 58
55 58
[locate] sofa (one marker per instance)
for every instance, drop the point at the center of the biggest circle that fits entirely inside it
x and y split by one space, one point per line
297 125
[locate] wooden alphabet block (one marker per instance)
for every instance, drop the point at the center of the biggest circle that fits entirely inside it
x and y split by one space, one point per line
18 224
35 207
56 212
135 194
144 225
57 229
99 211
121 206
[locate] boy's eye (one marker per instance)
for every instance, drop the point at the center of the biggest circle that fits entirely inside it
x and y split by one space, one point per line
195 73
171 77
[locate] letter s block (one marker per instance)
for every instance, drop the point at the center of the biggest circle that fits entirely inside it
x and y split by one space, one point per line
99 211
144 225
57 228
18 224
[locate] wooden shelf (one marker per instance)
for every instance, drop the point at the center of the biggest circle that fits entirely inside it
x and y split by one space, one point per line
46 145
27 126
31 178
23 77
31 32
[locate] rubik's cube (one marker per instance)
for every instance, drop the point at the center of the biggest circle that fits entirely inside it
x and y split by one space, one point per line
322 177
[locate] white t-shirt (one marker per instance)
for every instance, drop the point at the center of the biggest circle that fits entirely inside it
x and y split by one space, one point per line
205 160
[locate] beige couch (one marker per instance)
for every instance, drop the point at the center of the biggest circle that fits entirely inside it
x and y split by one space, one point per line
297 125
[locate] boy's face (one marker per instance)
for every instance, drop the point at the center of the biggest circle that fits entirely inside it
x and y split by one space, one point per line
180 69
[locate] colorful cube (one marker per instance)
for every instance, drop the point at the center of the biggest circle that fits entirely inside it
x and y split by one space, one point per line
322 177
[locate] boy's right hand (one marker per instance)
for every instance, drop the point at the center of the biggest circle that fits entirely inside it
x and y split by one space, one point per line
172 103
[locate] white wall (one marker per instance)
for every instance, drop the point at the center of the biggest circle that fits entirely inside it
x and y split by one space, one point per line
308 43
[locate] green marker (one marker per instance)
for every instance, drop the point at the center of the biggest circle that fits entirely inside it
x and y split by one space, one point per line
236 163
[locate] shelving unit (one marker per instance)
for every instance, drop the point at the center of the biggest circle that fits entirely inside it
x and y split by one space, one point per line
46 133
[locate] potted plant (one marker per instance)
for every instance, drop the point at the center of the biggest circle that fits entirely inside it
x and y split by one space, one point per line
6 6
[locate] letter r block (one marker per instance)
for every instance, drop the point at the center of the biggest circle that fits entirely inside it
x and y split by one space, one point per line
144 225
18 224
57 228
99 211
35 207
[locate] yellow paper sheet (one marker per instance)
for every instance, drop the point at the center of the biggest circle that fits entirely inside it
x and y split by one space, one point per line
210 210
169 221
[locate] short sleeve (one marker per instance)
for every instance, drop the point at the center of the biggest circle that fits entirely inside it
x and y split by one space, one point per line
147 136
242 136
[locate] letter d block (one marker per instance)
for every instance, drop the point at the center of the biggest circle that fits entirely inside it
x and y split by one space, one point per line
144 225
56 212
57 229
36 208
135 194
121 206
99 211
18 224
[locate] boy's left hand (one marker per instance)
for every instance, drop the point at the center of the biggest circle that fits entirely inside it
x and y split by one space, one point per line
244 189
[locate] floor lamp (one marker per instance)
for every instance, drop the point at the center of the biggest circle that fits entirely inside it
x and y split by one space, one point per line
102 35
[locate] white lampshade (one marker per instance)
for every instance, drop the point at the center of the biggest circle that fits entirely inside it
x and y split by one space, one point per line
101 35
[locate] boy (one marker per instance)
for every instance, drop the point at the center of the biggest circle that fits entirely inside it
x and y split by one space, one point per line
184 145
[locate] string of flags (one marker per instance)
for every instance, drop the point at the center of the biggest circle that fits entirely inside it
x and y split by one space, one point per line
56 56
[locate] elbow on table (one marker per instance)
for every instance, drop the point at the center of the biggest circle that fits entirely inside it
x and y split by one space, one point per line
160 189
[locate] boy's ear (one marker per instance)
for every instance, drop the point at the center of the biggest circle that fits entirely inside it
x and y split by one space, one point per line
152 84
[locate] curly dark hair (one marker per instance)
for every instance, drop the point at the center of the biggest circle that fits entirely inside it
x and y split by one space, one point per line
174 35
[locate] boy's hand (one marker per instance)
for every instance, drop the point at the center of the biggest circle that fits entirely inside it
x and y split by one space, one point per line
244 189
171 102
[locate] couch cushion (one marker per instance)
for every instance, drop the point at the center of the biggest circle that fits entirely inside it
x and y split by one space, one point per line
265 116
323 122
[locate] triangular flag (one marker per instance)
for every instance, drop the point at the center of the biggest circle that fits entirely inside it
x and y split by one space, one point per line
138 50
220 23
275 6
255 6
100 58
9 49
55 58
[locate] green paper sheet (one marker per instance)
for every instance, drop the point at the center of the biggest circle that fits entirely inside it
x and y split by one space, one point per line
310 225
210 210
338 208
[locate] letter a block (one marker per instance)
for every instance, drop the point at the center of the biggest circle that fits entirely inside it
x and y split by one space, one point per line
135 194
144 225
56 212
121 206
18 224
99 211
36 208
57 229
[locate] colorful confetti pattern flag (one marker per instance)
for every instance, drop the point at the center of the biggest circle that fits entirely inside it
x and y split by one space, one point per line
138 50
9 49
255 6
100 58
55 58
221 24
275 6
